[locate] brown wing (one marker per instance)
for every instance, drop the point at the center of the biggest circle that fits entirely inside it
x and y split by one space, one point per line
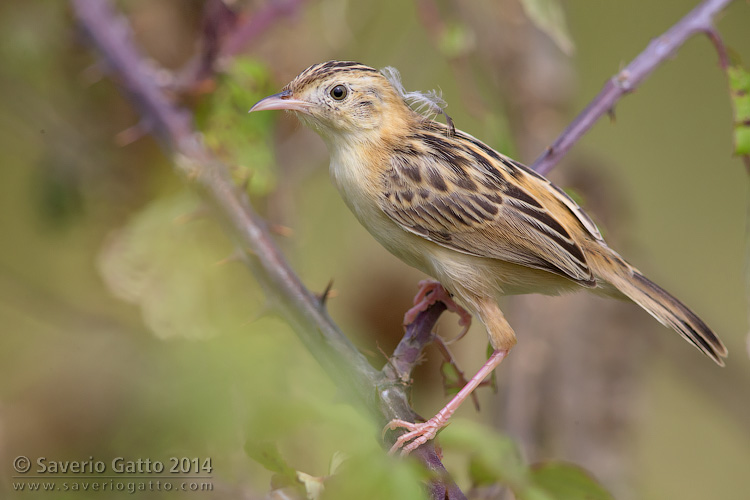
461 194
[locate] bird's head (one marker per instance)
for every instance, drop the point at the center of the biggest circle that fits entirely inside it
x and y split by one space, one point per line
344 101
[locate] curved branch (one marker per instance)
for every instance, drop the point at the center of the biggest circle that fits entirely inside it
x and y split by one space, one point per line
698 20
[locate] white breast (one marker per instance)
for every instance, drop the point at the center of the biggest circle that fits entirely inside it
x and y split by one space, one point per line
360 193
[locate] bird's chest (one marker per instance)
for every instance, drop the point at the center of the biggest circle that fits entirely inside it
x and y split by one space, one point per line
361 190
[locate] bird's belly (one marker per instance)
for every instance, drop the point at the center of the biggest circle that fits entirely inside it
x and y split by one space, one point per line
482 276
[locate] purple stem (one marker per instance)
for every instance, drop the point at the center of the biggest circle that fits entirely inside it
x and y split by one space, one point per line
698 20
259 22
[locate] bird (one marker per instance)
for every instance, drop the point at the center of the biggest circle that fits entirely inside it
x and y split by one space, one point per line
481 224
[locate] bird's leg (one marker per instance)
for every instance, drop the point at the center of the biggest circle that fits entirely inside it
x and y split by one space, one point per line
431 291
418 434
461 378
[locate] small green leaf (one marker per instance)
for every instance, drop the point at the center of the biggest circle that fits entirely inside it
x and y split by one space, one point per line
267 455
493 457
739 91
742 140
548 16
240 139
375 476
566 482
450 378
165 261
337 460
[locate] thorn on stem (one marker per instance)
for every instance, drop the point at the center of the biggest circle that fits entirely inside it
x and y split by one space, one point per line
131 134
196 214
92 74
622 80
327 293
385 356
285 231
234 257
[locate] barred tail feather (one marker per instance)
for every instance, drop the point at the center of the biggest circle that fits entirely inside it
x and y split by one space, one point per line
668 310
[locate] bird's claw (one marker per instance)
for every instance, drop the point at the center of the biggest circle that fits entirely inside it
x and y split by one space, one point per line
417 435
430 292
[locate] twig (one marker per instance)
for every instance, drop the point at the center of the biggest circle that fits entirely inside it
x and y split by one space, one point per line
408 352
173 126
698 20
226 34
258 23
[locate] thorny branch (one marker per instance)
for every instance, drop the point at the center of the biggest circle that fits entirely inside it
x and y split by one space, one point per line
382 395
699 20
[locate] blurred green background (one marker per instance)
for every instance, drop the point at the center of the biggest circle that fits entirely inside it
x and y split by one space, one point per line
126 333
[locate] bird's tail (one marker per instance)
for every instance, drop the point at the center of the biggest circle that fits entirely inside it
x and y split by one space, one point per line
668 310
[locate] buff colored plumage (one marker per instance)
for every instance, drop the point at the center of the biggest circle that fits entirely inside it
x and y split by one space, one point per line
479 222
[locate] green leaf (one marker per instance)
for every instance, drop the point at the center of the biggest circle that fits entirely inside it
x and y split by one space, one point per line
267 455
241 140
566 482
376 476
493 457
337 460
165 260
739 91
549 17
450 378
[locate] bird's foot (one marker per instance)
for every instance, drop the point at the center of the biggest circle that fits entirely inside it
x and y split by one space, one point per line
430 292
417 435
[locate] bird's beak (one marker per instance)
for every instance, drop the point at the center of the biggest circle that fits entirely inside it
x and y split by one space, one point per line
282 100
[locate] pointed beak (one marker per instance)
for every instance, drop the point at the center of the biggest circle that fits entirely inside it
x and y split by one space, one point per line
282 100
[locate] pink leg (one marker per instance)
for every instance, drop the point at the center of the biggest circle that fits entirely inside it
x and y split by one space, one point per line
421 433
430 292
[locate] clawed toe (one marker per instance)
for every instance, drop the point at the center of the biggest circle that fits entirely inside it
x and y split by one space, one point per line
430 292
417 435
398 423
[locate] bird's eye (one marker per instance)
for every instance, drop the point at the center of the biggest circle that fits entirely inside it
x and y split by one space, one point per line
338 92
